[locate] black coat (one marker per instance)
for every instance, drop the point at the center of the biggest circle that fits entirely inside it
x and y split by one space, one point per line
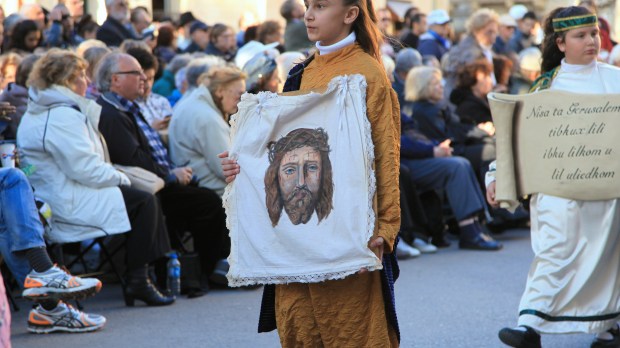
113 32
126 142
471 109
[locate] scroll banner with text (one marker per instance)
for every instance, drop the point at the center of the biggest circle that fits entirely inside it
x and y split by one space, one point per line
558 143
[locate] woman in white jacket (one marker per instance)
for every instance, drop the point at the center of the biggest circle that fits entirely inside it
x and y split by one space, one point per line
199 129
59 141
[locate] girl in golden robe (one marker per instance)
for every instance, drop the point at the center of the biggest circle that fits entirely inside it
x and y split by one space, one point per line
349 312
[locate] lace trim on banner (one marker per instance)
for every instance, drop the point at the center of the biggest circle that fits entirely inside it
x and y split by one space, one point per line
341 83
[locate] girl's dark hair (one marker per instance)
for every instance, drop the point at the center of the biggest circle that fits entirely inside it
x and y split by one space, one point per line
551 54
365 27
19 35
466 75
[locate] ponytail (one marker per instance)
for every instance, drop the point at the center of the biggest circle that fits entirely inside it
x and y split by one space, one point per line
551 54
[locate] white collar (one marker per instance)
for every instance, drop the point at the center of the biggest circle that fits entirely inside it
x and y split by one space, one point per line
349 40
573 68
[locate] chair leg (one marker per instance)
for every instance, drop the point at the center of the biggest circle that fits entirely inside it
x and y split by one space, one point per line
108 258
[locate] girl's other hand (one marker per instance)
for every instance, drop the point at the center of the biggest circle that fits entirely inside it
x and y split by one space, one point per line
229 166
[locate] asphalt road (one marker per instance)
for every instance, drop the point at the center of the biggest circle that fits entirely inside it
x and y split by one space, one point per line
454 298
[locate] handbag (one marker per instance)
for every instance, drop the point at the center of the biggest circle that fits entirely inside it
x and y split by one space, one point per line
141 179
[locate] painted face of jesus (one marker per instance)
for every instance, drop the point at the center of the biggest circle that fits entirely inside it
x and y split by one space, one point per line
299 178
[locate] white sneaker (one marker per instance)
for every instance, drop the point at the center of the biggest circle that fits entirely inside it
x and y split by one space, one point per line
406 251
55 283
424 247
63 318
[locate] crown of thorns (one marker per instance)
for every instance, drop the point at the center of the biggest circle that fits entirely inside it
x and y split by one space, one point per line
315 138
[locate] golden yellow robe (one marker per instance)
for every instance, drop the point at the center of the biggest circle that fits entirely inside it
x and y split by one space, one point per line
350 312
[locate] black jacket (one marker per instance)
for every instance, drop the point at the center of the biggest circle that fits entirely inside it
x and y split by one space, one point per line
113 32
471 109
126 142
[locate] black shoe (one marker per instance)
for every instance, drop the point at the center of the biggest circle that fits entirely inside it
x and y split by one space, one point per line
440 241
612 343
144 290
219 273
480 242
520 339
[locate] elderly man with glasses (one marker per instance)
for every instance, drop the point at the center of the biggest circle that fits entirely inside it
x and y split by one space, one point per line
132 142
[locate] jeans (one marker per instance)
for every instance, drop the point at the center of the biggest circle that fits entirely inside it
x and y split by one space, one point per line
20 227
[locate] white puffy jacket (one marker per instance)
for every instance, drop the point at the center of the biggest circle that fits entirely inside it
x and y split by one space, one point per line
58 136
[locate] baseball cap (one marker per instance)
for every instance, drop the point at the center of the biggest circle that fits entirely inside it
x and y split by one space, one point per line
507 20
438 17
518 11
198 25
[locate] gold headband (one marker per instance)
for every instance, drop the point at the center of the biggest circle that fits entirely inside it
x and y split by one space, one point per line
575 22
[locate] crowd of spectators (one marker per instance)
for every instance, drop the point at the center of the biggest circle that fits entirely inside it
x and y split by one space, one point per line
157 93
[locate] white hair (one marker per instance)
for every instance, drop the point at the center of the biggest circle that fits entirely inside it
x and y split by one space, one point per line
200 66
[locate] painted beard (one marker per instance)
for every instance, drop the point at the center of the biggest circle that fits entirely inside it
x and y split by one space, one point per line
299 205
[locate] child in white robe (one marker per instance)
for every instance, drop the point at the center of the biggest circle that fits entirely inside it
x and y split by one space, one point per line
573 285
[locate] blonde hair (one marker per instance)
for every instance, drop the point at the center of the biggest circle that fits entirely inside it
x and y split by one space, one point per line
56 67
220 77
418 84
7 59
88 44
480 19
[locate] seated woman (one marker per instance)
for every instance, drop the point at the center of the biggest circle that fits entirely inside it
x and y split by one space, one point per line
433 167
26 36
262 74
16 94
92 56
222 42
473 83
89 198
8 68
199 129
424 103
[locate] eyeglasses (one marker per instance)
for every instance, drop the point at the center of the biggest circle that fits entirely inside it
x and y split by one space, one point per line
130 72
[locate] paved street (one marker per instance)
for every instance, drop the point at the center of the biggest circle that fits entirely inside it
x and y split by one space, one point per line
452 299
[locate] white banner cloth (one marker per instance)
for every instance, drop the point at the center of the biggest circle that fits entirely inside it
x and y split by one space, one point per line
286 224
